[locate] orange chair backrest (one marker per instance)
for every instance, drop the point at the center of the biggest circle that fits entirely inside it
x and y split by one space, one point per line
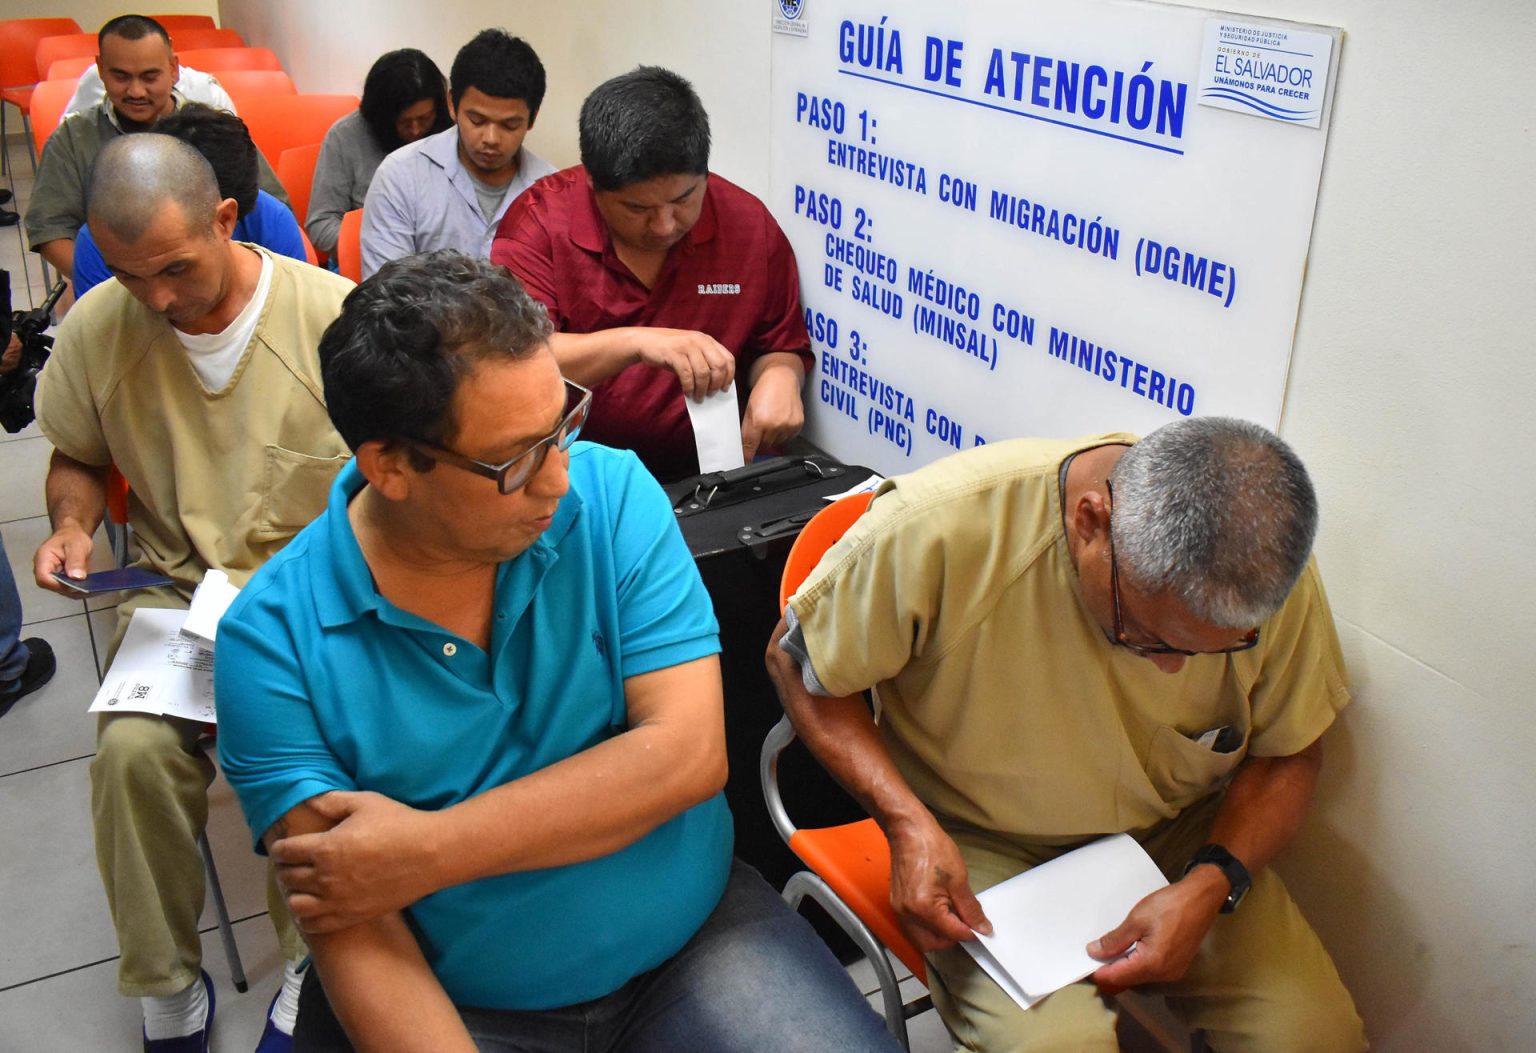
310 255
174 24
205 37
243 85
819 535
349 246
217 60
19 38
48 101
117 496
70 68
296 171
281 122
66 46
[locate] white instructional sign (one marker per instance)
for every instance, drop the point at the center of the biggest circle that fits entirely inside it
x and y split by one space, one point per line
1016 217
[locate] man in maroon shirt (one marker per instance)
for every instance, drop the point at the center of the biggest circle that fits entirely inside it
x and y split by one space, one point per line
663 281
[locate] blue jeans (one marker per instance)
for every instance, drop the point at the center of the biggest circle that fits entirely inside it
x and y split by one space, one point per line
13 656
754 979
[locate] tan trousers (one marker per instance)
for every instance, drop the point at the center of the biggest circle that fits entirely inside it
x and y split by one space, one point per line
149 804
1261 982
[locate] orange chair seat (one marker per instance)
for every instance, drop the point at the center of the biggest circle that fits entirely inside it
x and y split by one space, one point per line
855 860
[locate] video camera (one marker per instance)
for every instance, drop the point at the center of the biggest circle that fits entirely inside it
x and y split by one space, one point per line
18 386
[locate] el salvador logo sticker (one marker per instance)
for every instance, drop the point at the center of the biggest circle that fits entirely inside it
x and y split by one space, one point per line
1265 70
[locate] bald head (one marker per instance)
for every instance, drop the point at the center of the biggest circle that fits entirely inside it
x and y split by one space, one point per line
135 176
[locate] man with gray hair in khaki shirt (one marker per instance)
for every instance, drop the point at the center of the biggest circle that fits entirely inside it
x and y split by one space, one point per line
195 373
1073 639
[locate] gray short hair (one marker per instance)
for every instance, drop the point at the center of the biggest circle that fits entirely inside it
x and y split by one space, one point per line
1218 511
135 175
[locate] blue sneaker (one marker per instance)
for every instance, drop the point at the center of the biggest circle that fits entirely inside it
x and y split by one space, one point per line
197 1042
272 1039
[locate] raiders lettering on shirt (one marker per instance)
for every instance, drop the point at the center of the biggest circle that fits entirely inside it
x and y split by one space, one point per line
721 289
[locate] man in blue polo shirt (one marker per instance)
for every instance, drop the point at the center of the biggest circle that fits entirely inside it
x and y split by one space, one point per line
474 712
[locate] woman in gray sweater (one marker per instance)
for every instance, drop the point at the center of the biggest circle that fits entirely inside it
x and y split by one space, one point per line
404 98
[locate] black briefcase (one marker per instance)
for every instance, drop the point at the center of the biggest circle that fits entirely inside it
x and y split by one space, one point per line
740 525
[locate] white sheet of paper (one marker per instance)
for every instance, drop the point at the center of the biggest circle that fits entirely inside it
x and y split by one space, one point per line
1043 919
159 670
717 430
213 596
869 485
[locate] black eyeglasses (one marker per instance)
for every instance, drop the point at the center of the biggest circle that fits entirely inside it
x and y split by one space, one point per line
1145 650
513 475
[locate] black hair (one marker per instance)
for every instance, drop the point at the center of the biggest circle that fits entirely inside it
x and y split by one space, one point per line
225 141
398 80
407 337
132 27
646 123
500 65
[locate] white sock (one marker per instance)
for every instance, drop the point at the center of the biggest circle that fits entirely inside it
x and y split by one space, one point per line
286 1009
172 1016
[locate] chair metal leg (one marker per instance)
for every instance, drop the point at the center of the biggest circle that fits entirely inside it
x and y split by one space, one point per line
226 930
805 883
26 130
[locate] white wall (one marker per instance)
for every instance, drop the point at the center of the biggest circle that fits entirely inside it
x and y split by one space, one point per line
717 46
1409 398
92 14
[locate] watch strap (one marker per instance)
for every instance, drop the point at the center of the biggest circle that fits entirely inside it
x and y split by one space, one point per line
1237 875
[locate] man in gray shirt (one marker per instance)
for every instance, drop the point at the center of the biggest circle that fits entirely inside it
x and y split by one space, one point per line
450 190
139 70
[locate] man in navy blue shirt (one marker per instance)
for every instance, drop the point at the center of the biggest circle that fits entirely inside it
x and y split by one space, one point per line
474 712
224 140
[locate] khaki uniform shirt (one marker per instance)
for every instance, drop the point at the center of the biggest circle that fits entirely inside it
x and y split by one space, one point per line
217 478
1002 702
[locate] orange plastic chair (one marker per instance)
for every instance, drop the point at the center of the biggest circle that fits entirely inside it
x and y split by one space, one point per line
850 865
70 68
204 37
66 46
349 246
174 24
217 60
243 85
19 38
310 255
281 122
48 102
296 171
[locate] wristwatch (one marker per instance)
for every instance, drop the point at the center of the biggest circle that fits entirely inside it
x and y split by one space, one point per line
1231 866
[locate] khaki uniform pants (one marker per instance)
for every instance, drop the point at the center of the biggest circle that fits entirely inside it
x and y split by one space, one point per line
149 804
1261 982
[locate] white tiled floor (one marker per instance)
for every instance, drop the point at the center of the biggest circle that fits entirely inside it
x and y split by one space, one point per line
58 955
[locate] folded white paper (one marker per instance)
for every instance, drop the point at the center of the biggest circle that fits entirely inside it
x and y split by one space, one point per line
160 670
1043 919
716 430
869 485
213 596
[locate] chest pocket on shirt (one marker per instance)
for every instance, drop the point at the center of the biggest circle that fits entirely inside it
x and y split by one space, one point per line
1182 770
295 487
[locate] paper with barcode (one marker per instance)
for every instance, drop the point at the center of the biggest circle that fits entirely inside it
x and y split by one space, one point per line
159 670
1043 919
